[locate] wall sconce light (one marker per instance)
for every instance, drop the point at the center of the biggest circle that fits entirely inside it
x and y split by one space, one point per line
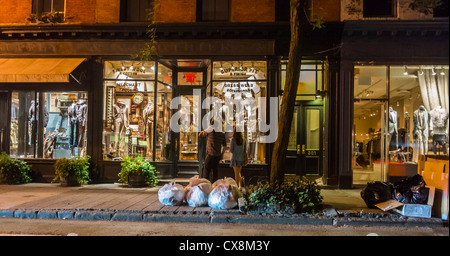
420 71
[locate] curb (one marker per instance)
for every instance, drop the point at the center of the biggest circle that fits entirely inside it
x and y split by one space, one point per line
218 216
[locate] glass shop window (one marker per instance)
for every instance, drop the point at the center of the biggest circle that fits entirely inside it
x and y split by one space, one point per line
136 115
244 84
213 10
48 125
310 82
136 10
46 6
379 8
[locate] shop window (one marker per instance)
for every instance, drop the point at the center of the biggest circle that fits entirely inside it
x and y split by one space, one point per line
213 10
46 6
136 10
310 82
379 8
392 131
48 125
136 116
242 83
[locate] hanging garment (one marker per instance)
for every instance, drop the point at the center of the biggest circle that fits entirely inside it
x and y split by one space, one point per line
439 118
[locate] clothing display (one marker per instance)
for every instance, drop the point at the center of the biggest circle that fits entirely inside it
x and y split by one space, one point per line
81 116
392 129
439 118
420 132
148 125
121 123
438 127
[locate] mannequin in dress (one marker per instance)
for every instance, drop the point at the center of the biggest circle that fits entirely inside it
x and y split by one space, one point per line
147 116
393 132
438 127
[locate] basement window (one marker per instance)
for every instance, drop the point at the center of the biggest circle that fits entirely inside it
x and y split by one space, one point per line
379 8
47 6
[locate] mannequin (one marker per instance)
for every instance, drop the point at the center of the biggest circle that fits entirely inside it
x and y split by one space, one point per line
420 132
147 116
121 123
73 124
81 116
393 132
438 127
32 121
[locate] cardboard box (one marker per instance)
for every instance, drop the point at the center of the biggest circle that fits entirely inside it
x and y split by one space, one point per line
410 210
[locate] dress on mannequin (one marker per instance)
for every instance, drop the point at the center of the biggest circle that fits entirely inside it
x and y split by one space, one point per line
420 133
438 126
81 116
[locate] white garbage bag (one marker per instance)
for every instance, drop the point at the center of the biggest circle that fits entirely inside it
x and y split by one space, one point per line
197 191
171 194
224 195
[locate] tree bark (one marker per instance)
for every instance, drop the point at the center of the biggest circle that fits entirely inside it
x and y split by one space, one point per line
298 23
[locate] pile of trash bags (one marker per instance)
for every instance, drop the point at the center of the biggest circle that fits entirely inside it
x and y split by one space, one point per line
222 194
411 190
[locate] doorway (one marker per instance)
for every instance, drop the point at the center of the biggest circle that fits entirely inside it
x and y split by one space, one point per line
305 149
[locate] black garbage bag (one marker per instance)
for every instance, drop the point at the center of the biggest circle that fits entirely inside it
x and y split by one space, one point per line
377 192
411 190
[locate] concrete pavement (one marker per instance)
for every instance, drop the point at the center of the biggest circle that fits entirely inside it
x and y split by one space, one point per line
115 202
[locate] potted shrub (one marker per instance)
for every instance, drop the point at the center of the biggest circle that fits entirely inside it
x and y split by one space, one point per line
137 172
300 195
13 171
72 172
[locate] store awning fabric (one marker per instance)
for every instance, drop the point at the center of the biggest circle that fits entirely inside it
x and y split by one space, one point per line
37 70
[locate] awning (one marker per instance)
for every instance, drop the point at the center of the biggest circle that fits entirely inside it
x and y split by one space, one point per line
37 70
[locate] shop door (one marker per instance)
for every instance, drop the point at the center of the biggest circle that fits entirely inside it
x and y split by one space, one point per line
304 155
4 122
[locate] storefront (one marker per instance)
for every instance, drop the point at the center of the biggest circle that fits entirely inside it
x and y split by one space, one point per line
393 94
44 103
138 110
400 115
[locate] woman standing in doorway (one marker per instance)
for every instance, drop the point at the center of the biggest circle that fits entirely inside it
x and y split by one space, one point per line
237 148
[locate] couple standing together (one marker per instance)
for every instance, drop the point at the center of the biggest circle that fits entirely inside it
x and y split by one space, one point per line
215 147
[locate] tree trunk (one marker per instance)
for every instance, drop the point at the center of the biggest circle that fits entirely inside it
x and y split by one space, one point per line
298 23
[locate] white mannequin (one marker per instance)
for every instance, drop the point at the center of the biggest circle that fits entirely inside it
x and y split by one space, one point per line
420 133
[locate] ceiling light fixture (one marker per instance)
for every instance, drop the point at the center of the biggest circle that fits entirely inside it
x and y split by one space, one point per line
406 71
432 72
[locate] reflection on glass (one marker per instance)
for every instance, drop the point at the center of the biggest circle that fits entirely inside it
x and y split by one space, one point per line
239 70
292 145
312 129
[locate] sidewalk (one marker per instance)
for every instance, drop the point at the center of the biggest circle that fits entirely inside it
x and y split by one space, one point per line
118 203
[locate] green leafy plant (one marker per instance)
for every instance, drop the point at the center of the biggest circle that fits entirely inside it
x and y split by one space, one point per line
77 167
425 6
300 194
138 166
13 171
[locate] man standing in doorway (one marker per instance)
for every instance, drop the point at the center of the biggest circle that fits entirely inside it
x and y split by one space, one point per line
215 147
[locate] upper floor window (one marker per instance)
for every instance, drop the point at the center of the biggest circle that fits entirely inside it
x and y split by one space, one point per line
46 6
136 10
282 10
378 8
213 10
441 11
